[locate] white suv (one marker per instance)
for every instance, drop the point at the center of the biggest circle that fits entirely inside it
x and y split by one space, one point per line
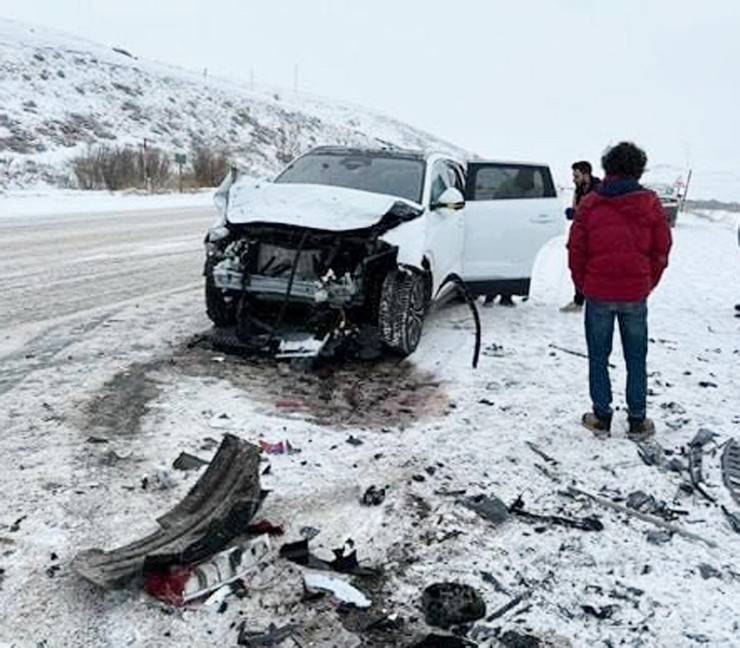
346 240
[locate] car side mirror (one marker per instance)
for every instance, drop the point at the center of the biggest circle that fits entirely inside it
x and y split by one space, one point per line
451 198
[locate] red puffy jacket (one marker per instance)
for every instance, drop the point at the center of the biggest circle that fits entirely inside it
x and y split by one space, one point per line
619 242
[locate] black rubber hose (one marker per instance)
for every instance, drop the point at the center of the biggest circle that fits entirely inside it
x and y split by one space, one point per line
458 281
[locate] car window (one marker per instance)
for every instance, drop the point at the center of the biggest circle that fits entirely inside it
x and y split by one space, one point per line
515 181
443 177
383 174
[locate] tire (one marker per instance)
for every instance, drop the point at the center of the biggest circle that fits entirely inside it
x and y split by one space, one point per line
219 311
401 311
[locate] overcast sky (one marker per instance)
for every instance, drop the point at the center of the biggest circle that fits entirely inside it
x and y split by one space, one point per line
552 81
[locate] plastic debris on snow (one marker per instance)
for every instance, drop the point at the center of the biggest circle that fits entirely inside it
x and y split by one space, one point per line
659 536
490 508
696 453
707 572
181 584
338 587
644 503
345 559
160 480
280 447
731 468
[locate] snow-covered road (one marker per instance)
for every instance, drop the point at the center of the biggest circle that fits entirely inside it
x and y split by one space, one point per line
96 315
57 266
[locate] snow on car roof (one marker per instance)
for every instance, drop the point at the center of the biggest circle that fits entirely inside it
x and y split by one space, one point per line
384 151
511 162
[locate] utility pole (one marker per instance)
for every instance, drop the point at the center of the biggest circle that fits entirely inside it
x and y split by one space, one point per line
685 190
180 159
146 168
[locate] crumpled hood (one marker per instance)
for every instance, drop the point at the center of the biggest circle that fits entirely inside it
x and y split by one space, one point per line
307 205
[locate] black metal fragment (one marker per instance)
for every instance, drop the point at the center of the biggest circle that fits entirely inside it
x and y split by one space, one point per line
590 523
603 612
496 614
187 461
732 518
578 354
373 496
541 453
449 604
514 639
651 453
273 636
492 580
443 641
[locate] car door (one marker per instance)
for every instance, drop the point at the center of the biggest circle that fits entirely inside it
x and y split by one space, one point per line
511 211
445 227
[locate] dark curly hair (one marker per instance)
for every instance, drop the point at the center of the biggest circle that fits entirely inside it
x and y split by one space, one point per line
625 160
582 166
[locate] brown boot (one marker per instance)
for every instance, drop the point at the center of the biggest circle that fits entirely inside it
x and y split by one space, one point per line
600 427
641 429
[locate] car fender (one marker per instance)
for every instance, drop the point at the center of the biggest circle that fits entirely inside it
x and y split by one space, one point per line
409 238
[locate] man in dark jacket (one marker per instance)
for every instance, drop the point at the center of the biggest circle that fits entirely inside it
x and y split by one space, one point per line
618 249
584 183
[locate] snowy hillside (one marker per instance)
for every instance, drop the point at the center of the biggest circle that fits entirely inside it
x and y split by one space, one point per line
59 94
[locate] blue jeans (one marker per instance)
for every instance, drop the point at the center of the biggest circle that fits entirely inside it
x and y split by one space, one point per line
632 318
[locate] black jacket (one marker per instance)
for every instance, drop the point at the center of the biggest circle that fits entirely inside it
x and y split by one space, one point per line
581 191
584 190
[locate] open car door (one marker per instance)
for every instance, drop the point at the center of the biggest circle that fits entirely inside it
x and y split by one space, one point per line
511 211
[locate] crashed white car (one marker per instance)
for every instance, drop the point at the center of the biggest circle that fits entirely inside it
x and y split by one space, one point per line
345 240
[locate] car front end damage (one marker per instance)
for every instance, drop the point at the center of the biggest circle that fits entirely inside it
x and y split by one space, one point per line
299 291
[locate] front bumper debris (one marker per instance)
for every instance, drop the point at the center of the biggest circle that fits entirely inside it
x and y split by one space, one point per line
222 502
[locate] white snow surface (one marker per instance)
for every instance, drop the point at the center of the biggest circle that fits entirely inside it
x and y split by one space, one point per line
60 94
307 205
93 344
47 201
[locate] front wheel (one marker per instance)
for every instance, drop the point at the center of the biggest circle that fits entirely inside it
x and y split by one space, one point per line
401 310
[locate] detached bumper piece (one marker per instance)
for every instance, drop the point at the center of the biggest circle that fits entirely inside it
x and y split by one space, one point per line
731 468
217 509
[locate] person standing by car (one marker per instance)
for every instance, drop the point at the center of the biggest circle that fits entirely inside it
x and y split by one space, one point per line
617 251
584 183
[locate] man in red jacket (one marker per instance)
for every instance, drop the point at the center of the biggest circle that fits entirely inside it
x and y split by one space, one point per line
617 251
